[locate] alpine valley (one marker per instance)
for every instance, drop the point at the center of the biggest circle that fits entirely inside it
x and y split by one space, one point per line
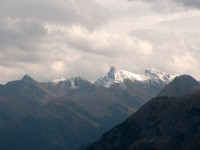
70 114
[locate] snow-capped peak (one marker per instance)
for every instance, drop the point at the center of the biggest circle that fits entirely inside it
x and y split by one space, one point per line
118 76
121 75
155 74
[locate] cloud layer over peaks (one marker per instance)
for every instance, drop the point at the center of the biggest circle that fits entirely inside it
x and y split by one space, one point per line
64 38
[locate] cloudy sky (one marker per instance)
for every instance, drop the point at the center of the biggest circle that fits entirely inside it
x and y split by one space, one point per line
48 39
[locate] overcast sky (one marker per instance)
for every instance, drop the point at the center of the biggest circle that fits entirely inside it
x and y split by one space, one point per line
48 39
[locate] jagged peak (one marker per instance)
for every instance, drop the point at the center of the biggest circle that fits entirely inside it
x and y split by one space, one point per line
111 73
156 74
120 75
27 78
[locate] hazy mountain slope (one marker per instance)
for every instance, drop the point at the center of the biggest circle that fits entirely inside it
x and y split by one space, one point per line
161 124
134 95
74 87
56 125
180 86
63 116
63 123
22 97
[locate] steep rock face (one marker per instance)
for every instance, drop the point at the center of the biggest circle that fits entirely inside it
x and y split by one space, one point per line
162 124
111 73
180 86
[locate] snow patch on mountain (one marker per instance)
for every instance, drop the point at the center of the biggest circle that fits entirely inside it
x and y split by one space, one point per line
72 82
58 80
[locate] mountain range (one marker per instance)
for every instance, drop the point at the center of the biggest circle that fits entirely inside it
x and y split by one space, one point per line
66 114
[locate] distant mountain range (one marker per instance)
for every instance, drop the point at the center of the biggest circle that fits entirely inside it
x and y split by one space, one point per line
148 78
66 114
164 123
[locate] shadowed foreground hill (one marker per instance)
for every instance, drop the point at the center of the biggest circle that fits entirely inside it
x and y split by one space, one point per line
180 86
161 124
